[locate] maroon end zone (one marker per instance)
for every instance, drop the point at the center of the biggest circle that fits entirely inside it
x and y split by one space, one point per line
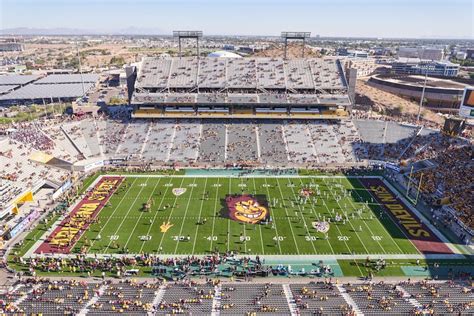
68 232
422 237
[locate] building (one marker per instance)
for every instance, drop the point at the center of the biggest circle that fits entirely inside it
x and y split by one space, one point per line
11 47
30 89
461 55
441 94
470 53
364 66
416 66
223 54
352 53
428 53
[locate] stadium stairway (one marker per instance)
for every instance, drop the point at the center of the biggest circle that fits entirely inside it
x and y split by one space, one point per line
93 300
349 300
76 147
290 299
407 295
25 296
216 302
158 297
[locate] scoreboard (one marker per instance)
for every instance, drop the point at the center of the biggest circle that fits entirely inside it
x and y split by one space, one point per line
467 104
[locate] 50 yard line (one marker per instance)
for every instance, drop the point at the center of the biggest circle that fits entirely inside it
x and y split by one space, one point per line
259 226
316 214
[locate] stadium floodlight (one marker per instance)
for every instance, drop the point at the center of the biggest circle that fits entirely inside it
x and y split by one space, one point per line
295 36
187 34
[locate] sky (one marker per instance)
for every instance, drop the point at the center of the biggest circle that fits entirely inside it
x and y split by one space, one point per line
339 18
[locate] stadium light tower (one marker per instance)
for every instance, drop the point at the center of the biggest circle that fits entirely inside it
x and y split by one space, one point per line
295 36
187 34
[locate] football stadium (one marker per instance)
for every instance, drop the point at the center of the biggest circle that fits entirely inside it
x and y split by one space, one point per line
237 186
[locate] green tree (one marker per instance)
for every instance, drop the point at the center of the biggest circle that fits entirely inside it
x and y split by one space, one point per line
117 61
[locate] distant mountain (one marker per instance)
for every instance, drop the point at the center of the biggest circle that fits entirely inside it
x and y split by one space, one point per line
132 30
45 31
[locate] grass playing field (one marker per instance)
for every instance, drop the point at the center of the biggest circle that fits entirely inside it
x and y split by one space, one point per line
196 221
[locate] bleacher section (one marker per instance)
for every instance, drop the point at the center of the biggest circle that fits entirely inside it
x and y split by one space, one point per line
218 142
186 299
319 299
241 299
379 298
187 82
315 298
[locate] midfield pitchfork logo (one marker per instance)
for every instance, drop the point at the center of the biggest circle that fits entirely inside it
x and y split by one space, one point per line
178 191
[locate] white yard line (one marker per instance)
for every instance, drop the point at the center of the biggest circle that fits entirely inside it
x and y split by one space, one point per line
345 242
390 217
301 213
126 215
154 217
169 217
274 219
141 214
214 214
113 212
311 203
199 218
287 216
184 219
229 235
259 226
340 233
267 257
353 228
380 224
422 218
245 228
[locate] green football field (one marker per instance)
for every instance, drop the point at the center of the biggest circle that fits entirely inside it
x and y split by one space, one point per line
197 221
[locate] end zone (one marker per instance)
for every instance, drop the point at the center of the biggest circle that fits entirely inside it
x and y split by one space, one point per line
71 228
424 239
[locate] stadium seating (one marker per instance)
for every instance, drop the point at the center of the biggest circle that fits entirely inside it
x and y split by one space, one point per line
188 297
